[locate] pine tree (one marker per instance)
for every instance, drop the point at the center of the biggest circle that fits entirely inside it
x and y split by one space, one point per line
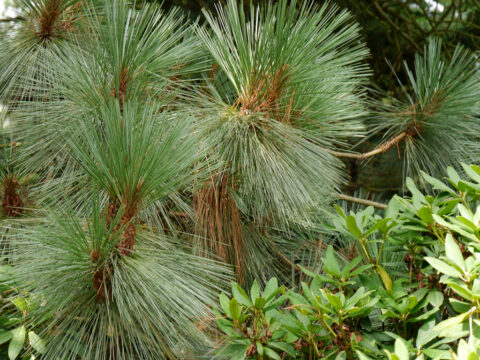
149 160
279 97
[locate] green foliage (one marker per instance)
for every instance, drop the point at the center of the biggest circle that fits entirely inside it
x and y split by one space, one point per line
112 152
152 299
18 335
439 115
286 84
268 133
367 307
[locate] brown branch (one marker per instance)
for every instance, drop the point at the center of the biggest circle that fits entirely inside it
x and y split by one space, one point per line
378 150
362 201
285 260
11 19
395 26
425 13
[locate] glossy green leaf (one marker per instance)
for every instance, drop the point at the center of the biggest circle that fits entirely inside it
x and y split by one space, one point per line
425 334
401 350
259 348
271 354
443 267
445 325
240 295
330 263
234 309
435 298
353 227
453 252
254 291
387 281
270 288
225 304
5 336
36 342
260 303
17 342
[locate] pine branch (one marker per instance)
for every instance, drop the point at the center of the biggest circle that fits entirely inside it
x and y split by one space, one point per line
362 201
285 260
378 150
12 19
395 26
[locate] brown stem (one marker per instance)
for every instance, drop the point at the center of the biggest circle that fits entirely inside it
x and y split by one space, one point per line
396 27
362 201
48 19
378 150
125 245
104 270
286 260
102 280
121 92
12 203
219 224
127 225
12 19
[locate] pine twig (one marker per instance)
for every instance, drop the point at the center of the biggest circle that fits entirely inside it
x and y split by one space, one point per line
396 27
285 260
362 201
11 19
378 150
